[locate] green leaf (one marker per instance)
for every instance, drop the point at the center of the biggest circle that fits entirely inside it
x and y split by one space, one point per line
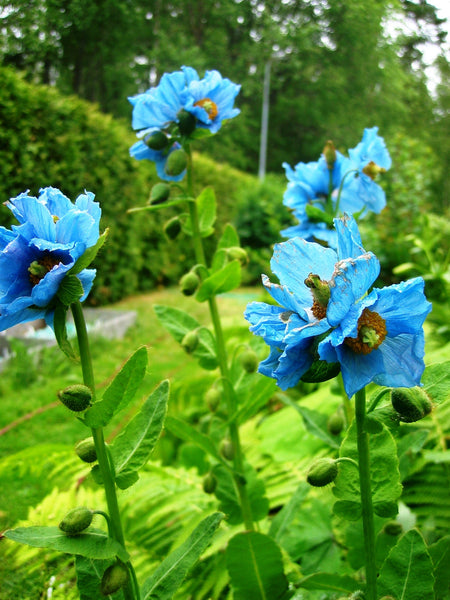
85 259
206 206
256 391
89 575
70 290
178 323
93 543
220 259
186 432
342 584
120 392
436 381
287 514
229 238
315 422
167 578
133 446
59 326
226 279
384 474
407 573
227 495
255 565
440 555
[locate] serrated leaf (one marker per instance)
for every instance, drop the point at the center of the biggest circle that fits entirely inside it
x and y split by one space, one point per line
89 575
60 329
227 495
407 573
120 392
93 543
178 323
384 475
70 290
186 432
255 565
315 422
287 514
133 446
167 578
342 584
85 260
436 381
440 555
226 279
229 238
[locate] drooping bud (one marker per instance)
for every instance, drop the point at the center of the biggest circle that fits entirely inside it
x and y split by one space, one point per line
76 520
238 253
227 449
190 341
114 578
322 472
186 122
189 283
86 450
335 423
393 528
213 397
249 361
157 140
411 404
160 192
317 215
209 483
76 397
176 162
172 228
329 153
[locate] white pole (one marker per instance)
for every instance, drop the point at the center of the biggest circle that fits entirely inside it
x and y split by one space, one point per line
264 122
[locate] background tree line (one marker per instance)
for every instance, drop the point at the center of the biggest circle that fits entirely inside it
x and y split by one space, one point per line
334 67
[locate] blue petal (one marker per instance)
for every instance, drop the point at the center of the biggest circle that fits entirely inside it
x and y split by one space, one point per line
267 321
285 297
349 244
86 278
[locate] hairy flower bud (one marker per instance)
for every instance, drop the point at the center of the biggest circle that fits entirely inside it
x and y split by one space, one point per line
411 404
329 153
238 253
76 520
213 397
172 228
76 397
190 341
249 361
160 193
227 449
335 423
322 472
209 483
186 122
157 140
114 578
86 450
176 162
189 283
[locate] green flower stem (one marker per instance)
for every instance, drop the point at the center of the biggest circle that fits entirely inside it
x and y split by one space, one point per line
99 440
222 359
366 495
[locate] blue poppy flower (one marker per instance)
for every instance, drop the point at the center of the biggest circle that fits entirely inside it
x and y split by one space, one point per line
318 286
37 254
141 151
211 100
380 339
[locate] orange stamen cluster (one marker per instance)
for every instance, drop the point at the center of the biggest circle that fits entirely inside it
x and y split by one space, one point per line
371 333
47 261
318 310
210 107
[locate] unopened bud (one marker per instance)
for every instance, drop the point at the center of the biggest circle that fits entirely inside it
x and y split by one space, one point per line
76 520
76 397
238 253
157 140
213 397
86 450
189 283
176 162
393 528
411 404
209 483
335 423
172 228
322 472
114 578
329 153
190 341
160 193
186 122
227 449
249 361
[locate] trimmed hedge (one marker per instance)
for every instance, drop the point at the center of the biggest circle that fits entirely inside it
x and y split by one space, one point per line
49 139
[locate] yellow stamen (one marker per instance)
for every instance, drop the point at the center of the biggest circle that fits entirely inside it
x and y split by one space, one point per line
209 106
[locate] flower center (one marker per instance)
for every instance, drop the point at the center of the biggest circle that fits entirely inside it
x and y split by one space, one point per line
209 106
38 269
321 294
371 333
372 170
